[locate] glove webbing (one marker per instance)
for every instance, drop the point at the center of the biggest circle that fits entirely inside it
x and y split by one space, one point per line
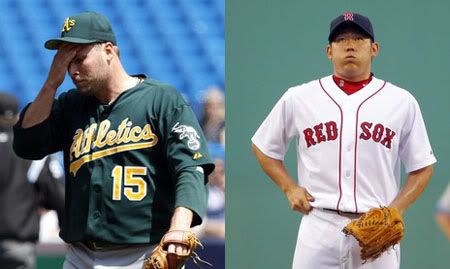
196 259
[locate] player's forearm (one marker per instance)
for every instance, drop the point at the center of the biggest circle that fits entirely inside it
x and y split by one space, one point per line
443 220
414 186
275 169
181 219
40 109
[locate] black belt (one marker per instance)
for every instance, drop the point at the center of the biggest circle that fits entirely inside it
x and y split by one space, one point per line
344 213
105 246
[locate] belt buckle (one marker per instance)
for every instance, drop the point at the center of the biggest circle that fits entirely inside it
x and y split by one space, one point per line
92 245
97 246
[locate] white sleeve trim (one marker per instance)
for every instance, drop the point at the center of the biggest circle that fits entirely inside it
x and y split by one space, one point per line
267 152
421 165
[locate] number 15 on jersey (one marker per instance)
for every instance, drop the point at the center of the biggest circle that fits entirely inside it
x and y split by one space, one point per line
127 177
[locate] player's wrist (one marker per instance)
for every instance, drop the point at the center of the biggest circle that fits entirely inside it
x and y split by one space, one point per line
50 86
398 208
181 219
288 186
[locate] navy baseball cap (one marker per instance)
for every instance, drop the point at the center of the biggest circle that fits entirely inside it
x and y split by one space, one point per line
354 19
84 28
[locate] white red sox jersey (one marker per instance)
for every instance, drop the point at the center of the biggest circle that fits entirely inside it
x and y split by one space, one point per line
349 147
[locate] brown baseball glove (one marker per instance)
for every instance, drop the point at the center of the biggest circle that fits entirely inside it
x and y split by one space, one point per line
376 231
161 259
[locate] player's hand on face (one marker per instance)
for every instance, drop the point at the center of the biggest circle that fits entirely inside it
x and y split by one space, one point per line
299 199
60 64
177 248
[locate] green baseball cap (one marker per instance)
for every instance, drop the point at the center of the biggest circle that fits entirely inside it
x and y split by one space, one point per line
84 28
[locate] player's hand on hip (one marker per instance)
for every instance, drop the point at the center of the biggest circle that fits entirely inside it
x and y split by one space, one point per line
299 199
179 249
60 64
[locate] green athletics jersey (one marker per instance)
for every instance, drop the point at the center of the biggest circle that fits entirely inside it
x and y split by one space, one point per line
125 163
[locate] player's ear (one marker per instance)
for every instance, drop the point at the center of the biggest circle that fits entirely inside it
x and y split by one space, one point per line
109 50
375 47
328 51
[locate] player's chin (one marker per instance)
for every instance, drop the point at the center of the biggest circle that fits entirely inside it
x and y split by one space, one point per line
84 91
350 69
351 64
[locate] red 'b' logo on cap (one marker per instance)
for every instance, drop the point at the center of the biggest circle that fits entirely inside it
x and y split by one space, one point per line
348 16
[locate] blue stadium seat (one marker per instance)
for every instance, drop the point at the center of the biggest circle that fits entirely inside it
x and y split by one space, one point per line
215 51
133 64
167 8
7 80
220 7
62 9
144 29
6 4
173 28
158 63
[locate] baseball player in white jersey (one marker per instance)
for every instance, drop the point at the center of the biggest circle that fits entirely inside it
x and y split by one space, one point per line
443 212
353 131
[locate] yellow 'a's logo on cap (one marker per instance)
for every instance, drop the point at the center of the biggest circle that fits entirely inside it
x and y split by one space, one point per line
68 24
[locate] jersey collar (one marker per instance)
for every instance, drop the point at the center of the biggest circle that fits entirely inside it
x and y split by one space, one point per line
340 96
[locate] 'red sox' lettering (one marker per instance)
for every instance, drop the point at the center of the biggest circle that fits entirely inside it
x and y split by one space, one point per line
379 133
328 131
316 134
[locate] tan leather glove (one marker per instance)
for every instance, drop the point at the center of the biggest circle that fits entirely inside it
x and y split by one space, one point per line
376 231
161 259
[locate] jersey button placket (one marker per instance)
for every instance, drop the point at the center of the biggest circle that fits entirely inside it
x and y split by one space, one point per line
96 188
96 214
348 135
348 174
349 152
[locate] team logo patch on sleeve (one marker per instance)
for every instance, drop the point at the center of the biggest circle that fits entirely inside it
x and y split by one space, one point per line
188 132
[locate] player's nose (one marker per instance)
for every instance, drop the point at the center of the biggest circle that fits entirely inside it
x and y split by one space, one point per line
349 47
349 43
73 70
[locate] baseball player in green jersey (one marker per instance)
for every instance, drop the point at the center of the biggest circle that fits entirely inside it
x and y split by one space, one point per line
136 160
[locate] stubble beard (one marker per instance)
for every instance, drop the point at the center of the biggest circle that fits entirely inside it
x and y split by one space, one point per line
92 87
